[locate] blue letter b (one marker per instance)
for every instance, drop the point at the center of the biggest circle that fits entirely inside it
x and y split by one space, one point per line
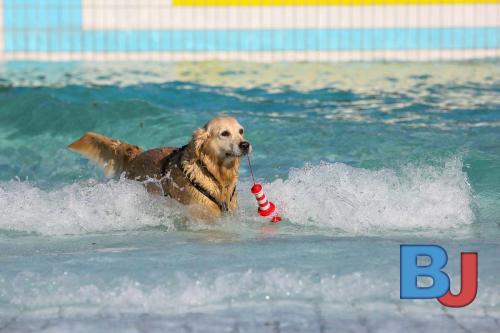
410 271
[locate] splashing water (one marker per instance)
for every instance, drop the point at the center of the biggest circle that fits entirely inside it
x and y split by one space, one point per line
329 196
355 200
81 208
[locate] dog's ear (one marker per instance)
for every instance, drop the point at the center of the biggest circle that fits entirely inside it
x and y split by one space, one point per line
200 136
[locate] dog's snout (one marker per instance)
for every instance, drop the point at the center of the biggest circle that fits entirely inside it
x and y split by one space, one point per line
244 145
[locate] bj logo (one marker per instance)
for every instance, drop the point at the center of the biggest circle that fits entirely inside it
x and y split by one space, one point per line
440 288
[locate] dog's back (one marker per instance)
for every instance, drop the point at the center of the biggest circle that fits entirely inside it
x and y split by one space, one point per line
148 164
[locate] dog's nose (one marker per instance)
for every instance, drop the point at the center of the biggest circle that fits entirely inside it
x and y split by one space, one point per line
244 145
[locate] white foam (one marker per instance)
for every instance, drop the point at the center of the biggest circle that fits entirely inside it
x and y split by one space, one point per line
81 208
356 200
333 196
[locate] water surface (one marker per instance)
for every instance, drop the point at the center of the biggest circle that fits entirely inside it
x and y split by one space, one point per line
359 158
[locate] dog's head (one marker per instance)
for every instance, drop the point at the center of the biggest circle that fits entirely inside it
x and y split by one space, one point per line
222 139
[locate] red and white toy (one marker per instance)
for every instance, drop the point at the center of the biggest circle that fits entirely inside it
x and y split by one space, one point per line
266 207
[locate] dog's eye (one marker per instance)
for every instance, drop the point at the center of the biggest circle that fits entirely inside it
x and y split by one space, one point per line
241 131
225 133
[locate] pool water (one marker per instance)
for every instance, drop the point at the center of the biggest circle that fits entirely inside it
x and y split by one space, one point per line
359 158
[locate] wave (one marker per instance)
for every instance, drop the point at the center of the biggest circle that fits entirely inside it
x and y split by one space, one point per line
355 200
328 196
85 207
182 292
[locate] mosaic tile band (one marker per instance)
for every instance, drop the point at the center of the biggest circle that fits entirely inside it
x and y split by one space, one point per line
294 30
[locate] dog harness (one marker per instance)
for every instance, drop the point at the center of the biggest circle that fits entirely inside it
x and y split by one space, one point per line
222 205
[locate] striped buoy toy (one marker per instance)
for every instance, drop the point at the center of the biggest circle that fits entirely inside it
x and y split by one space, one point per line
266 207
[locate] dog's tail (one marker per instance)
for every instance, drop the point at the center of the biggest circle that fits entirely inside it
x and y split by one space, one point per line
111 155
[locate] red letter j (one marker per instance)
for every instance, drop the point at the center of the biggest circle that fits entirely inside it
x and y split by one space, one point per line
468 283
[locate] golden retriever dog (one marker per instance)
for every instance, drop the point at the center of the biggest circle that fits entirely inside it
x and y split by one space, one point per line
203 173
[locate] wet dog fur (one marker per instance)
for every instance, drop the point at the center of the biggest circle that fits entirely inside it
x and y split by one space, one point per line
203 174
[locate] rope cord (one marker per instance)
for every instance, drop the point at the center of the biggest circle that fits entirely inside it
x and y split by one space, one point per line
250 167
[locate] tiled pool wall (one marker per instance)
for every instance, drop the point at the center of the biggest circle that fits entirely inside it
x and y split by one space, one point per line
256 30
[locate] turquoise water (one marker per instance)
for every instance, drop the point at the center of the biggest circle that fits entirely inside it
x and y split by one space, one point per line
359 158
